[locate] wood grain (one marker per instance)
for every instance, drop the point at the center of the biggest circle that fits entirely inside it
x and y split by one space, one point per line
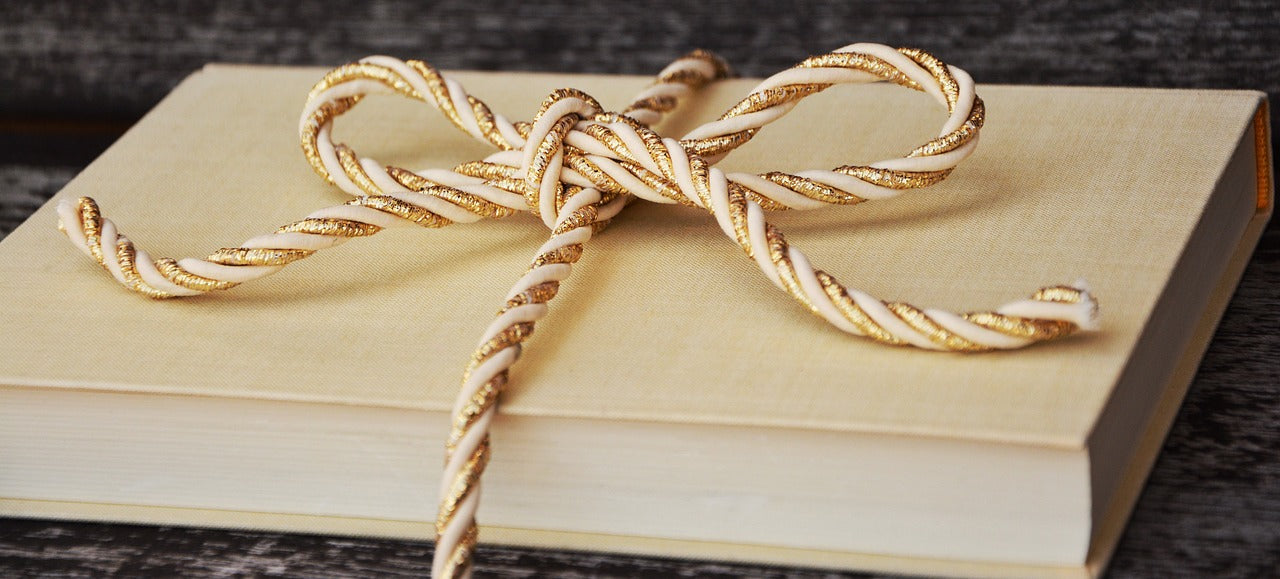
63 57
75 72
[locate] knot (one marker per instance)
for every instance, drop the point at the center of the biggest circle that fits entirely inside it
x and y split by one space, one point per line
576 167
544 153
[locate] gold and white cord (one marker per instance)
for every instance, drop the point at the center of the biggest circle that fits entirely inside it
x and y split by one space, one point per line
575 167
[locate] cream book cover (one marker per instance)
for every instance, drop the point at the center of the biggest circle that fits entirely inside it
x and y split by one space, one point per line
673 402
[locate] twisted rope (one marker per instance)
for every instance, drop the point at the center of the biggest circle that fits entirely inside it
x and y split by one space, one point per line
576 166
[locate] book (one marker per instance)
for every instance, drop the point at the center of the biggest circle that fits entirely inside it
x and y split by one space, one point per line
673 403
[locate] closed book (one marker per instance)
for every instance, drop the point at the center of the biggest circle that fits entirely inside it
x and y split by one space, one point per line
673 402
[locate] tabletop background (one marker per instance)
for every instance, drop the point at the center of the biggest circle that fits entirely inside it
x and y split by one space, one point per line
75 75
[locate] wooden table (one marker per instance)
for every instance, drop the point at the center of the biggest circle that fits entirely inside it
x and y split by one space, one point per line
75 78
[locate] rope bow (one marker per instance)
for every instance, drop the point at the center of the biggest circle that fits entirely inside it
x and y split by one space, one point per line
576 166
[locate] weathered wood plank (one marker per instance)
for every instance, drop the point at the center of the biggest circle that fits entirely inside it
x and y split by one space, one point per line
1212 506
118 59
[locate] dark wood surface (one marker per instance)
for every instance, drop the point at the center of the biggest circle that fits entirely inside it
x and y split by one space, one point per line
76 74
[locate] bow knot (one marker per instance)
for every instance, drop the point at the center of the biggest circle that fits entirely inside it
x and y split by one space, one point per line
575 159
544 151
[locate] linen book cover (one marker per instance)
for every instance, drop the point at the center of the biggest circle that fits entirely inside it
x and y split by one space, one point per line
664 330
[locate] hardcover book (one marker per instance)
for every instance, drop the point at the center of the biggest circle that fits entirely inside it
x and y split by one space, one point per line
673 403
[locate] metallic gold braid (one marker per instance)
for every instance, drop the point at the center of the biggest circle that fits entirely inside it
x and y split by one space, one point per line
679 79
813 189
354 170
256 256
312 127
896 323
183 278
331 227
576 166
473 203
467 449
91 224
125 255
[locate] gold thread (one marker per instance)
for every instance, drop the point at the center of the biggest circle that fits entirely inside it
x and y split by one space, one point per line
610 139
580 218
712 146
460 561
1034 330
546 151
463 484
920 322
510 336
364 71
738 216
125 256
594 173
957 138
661 104
402 210
91 225
488 171
946 82
354 169
488 124
854 313
310 132
173 272
471 203
1059 293
786 270
484 398
894 178
331 227
567 254
698 173
813 189
659 185
769 98
863 62
257 256
538 294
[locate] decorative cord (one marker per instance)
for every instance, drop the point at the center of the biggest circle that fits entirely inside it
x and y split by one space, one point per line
576 166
